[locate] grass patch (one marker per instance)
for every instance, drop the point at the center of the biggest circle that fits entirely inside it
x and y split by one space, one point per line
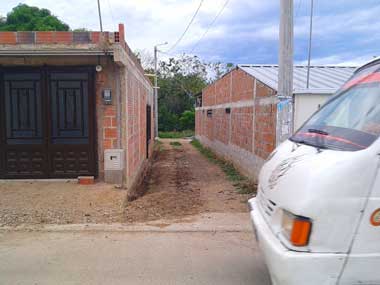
175 144
158 146
176 135
241 182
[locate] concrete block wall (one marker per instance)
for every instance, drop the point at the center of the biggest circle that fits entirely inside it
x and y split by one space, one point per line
238 120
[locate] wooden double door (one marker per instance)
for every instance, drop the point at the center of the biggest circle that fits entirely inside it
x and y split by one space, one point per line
47 122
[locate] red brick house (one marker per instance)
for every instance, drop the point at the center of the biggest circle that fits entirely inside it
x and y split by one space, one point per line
73 104
237 114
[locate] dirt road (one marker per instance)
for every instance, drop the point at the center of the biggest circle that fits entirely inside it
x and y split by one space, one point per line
184 183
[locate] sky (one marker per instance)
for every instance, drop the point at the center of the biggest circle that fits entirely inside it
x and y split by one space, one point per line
346 32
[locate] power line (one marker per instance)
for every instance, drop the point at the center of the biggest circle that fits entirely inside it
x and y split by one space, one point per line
210 26
187 28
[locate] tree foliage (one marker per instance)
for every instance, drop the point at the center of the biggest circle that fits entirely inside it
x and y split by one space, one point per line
179 80
28 18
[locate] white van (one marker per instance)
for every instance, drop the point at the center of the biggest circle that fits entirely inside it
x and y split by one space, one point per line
317 212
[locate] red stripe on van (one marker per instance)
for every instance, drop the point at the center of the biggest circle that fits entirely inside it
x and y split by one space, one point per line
368 78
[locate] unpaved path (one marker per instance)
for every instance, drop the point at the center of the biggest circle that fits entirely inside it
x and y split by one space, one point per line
183 183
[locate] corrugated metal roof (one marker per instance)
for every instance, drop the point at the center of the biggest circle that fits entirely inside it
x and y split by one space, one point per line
323 79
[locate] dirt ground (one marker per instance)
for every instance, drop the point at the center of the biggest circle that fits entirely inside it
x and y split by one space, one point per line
184 183
35 203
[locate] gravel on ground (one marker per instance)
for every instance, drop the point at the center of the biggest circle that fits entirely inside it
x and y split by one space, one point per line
59 202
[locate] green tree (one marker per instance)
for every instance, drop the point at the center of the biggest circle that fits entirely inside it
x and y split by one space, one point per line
179 80
187 120
28 18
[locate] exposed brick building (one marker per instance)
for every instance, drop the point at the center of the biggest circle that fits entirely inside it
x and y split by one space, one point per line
237 115
73 104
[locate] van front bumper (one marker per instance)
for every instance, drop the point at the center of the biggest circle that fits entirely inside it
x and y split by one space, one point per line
288 267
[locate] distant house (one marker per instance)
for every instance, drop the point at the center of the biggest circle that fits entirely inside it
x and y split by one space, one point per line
73 104
238 113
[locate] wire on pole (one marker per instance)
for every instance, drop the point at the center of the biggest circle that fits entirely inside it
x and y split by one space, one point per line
187 28
209 27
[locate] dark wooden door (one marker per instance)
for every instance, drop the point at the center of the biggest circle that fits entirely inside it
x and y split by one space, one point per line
23 133
71 142
47 126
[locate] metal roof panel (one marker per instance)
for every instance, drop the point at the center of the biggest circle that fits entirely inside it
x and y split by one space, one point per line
323 79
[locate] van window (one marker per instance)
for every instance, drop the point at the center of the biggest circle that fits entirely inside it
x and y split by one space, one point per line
350 121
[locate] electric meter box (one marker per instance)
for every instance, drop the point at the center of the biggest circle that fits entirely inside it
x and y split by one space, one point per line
114 159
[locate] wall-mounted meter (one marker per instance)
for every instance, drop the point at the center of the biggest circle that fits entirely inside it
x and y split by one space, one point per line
107 96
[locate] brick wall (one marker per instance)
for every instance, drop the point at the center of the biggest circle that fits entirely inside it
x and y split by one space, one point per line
242 125
67 38
123 123
108 125
242 86
139 95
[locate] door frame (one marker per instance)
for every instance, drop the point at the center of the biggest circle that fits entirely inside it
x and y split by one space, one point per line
45 72
148 114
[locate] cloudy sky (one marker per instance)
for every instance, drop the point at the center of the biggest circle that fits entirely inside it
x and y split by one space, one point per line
345 31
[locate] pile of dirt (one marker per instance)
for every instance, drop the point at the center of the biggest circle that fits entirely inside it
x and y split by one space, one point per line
183 183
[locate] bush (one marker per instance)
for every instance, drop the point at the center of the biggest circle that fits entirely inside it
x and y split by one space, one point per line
187 120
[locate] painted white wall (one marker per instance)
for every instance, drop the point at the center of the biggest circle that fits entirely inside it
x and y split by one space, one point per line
306 105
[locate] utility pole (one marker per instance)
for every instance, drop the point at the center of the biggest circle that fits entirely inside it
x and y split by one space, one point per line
310 36
285 73
156 87
155 92
100 17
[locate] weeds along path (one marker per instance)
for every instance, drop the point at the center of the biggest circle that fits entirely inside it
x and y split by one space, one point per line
183 183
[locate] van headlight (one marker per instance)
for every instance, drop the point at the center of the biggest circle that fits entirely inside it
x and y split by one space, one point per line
296 229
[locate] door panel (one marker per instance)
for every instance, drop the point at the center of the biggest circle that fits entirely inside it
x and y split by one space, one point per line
24 145
47 123
71 152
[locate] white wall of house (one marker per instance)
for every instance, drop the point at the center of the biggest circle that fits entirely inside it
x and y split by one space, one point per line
305 105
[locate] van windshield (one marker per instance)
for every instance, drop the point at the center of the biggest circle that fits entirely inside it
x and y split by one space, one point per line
350 121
